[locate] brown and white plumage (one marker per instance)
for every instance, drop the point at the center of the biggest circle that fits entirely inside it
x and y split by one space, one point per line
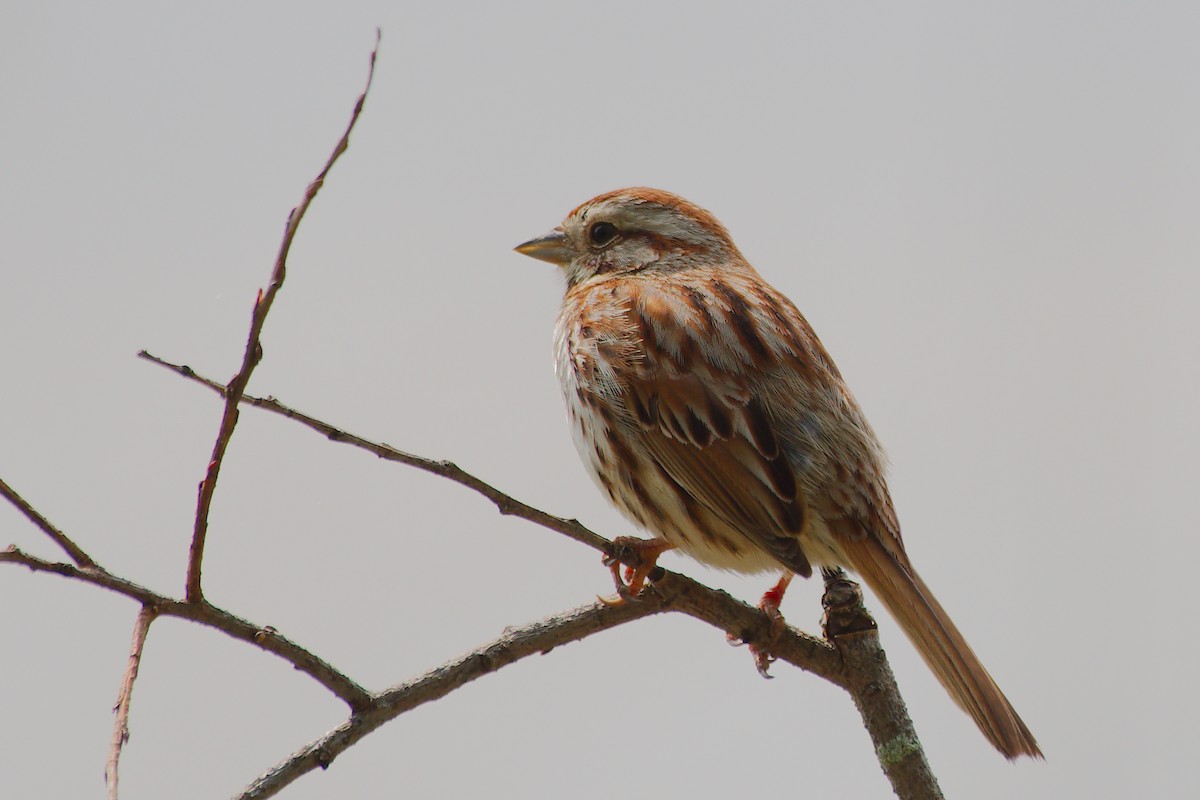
710 414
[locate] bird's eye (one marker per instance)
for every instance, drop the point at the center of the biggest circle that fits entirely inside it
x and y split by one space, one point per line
602 233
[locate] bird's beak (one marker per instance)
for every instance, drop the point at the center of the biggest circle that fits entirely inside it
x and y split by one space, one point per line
552 247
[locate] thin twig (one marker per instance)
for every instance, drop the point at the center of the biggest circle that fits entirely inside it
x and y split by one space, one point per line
141 627
505 503
253 354
205 613
73 550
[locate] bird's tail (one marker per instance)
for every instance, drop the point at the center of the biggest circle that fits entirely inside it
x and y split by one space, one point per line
941 645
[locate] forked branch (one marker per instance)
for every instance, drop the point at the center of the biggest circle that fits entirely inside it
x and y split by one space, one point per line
58 537
263 637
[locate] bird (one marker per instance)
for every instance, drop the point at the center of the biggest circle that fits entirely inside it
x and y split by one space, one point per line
709 413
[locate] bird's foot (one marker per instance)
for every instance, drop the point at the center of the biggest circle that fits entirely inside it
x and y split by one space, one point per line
639 558
769 605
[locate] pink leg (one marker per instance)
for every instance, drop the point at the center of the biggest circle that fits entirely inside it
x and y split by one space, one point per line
772 598
770 606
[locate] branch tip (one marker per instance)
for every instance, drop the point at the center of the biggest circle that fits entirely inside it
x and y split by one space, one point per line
253 355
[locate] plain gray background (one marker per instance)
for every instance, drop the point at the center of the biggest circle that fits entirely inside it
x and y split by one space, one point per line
987 212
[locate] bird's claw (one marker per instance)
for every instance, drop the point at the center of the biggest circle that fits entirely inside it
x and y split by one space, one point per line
769 605
643 553
762 662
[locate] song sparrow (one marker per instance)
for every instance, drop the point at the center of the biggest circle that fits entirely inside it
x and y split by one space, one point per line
710 414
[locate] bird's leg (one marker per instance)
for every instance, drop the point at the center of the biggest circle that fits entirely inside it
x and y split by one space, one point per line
640 557
769 604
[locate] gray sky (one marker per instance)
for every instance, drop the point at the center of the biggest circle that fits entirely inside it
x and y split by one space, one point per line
989 216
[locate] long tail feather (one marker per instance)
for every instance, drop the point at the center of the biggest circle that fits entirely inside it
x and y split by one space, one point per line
942 646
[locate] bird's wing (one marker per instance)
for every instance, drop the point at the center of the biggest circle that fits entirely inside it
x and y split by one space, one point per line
726 457
703 424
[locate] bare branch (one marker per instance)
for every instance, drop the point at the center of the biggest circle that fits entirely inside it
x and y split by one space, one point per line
253 354
264 637
446 469
141 627
73 550
513 645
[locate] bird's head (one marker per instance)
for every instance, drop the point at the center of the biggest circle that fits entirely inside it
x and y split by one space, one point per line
629 230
